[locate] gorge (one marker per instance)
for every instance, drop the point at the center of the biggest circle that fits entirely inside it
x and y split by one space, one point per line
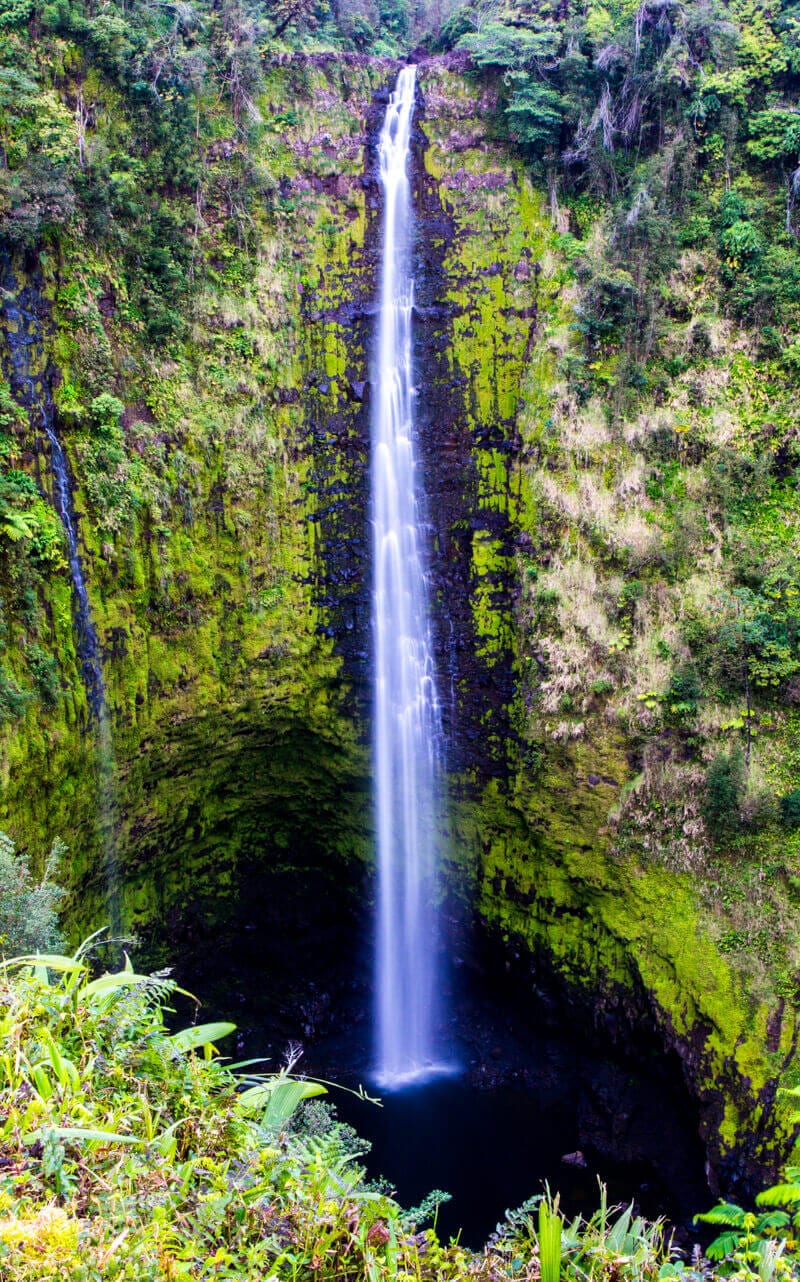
607 529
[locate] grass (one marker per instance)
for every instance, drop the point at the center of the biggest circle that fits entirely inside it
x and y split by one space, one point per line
132 1154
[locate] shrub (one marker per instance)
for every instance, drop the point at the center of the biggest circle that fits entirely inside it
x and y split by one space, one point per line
695 231
13 701
28 909
790 809
683 693
725 784
602 685
44 671
758 810
151 1151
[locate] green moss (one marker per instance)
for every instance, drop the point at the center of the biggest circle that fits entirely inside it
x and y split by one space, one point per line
233 731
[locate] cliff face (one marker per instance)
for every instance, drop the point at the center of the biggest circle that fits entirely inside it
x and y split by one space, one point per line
222 519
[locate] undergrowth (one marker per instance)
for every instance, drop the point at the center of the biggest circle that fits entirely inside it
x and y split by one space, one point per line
130 1152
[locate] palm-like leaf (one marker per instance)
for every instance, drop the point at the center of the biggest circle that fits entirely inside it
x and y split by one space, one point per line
191 1039
779 1195
723 1213
284 1099
723 1245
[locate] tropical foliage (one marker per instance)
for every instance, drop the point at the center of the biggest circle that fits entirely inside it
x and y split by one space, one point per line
128 1151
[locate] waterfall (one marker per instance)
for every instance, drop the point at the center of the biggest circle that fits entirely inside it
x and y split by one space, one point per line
87 643
23 338
22 333
407 727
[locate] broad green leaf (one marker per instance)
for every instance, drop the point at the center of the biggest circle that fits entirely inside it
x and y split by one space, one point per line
190 1039
41 1081
65 1071
284 1099
550 1227
619 1231
255 1097
106 983
82 1133
54 961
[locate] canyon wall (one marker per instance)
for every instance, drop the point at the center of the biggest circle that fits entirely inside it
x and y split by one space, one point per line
222 517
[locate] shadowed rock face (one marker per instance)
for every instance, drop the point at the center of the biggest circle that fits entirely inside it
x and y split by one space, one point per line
24 314
458 432
233 613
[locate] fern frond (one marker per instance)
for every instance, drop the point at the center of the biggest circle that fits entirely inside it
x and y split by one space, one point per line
723 1245
723 1213
779 1195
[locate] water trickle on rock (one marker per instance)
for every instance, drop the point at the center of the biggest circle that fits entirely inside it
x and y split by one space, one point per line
24 354
407 738
22 332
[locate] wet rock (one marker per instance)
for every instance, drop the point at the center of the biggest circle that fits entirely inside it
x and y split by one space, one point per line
574 1159
356 389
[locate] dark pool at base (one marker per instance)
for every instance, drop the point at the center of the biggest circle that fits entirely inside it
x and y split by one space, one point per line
539 1080
492 1148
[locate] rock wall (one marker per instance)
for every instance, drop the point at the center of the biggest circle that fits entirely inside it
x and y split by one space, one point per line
231 598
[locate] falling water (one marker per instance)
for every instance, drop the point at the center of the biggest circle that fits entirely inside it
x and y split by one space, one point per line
407 736
21 331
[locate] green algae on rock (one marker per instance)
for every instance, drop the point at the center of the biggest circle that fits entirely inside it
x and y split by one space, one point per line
229 589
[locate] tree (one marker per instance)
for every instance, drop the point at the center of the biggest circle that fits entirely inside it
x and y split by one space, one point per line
28 909
757 641
725 784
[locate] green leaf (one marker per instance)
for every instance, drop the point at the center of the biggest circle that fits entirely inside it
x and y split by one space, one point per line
550 1225
82 1133
285 1098
723 1245
723 1213
779 1195
107 983
54 961
619 1231
256 1097
41 1081
189 1039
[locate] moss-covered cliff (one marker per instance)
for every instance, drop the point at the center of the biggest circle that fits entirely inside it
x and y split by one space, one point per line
219 484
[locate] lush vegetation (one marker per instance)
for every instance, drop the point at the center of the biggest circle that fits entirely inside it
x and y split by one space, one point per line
661 589
131 1152
152 192
28 907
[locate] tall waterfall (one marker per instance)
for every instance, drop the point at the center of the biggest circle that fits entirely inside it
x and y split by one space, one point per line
407 728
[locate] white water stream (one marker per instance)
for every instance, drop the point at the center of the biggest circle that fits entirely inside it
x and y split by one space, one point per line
407 726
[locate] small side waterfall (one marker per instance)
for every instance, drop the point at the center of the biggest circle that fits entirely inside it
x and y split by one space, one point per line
22 333
21 330
407 727
87 643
